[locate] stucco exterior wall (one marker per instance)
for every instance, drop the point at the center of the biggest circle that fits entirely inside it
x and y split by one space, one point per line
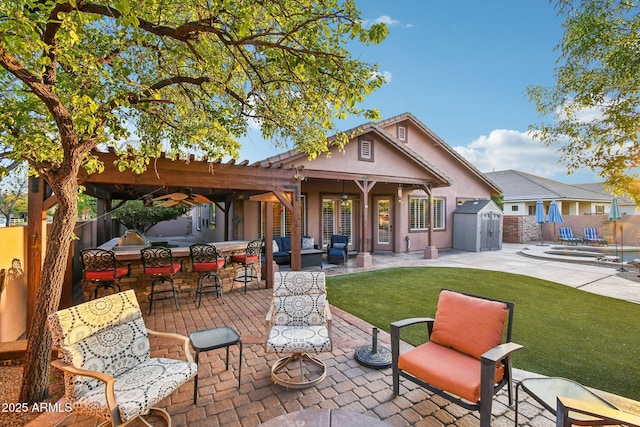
13 297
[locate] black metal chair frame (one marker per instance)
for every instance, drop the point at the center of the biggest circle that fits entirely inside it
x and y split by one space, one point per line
161 258
500 353
209 281
248 270
96 260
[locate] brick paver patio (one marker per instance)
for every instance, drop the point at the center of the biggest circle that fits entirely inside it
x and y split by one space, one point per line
348 386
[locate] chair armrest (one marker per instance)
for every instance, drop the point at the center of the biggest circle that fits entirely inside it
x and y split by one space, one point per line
267 326
109 381
327 311
411 321
501 351
184 340
608 415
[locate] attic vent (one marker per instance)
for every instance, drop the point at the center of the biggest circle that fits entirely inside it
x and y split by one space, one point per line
402 133
366 150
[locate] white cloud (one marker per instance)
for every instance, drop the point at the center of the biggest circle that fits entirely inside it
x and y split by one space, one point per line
510 149
387 20
386 75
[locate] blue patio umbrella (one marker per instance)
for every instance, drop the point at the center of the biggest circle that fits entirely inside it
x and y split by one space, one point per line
554 216
540 218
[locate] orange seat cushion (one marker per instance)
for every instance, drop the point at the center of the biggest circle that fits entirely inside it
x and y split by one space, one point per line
212 265
446 369
107 274
468 324
244 258
167 270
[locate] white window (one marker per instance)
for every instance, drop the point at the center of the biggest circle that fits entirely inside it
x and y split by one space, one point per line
419 213
438 214
282 218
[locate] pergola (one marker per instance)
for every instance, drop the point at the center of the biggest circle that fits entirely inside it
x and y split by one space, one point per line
222 183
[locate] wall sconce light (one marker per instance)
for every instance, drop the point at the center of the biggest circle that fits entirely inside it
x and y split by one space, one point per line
399 193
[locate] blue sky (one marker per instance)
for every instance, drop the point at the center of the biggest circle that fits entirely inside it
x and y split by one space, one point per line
462 68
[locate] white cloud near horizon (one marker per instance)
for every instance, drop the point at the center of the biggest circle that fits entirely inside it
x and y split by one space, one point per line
505 149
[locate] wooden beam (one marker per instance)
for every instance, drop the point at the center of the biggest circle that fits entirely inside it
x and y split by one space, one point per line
35 237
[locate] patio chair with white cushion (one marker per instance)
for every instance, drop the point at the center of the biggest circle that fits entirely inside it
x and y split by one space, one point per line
105 356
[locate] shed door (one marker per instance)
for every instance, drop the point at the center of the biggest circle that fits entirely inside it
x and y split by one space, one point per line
489 231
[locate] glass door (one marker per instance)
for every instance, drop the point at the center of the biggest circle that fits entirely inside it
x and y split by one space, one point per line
383 224
337 218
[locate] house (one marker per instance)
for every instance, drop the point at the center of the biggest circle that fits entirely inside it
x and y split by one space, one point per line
521 191
392 189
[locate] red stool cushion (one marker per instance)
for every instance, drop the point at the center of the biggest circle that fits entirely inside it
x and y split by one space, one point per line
168 270
106 274
209 266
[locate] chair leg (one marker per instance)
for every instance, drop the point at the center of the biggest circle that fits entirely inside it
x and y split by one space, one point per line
395 353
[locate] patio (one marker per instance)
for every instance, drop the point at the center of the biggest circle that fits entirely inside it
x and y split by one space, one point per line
348 386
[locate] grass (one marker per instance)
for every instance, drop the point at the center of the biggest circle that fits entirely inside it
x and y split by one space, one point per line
566 332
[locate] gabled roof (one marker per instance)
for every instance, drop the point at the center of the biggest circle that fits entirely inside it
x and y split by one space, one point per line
521 186
440 142
378 129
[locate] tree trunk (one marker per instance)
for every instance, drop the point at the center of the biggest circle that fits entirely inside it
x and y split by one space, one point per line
35 380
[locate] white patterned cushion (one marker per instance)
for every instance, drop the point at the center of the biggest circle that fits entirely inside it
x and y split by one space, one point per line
274 246
307 242
296 310
299 339
108 335
298 283
138 389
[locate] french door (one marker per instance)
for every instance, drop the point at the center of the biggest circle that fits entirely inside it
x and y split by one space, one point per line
337 218
382 224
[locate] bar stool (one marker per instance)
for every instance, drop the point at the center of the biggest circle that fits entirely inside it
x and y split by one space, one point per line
247 272
101 268
158 263
206 259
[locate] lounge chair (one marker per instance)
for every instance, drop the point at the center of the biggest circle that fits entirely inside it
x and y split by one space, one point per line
565 234
591 236
466 359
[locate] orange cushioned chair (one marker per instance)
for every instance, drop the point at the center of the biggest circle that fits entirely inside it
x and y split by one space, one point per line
465 359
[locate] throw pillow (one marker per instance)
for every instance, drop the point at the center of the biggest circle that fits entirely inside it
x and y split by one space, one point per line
339 245
274 246
307 242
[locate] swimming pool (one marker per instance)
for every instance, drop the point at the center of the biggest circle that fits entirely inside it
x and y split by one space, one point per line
629 254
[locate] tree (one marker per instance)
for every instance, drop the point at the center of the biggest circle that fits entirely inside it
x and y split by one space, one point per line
187 76
134 215
13 192
594 106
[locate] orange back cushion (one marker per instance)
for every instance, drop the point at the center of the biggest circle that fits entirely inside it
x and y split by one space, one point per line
467 324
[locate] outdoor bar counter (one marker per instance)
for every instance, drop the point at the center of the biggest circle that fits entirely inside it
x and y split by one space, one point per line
186 279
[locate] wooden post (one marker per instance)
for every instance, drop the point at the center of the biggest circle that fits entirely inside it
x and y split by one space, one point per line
35 239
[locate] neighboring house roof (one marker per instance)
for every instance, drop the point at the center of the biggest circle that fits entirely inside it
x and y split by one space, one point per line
378 129
598 187
521 186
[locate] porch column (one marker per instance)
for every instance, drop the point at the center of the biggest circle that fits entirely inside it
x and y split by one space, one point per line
363 258
430 252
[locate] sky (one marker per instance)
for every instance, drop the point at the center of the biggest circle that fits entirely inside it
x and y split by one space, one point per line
462 68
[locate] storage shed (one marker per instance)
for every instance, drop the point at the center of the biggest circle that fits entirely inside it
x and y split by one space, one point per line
477 226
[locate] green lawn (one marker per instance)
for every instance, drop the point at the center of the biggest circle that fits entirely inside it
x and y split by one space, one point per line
566 332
